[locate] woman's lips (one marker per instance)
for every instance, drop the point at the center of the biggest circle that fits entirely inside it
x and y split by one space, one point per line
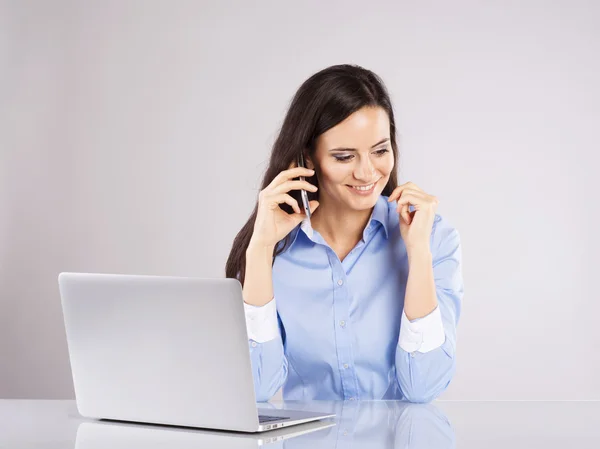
363 192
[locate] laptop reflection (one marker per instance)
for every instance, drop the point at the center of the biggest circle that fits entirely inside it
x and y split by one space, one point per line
122 435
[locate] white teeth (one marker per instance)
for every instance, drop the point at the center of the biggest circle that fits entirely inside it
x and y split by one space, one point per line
369 187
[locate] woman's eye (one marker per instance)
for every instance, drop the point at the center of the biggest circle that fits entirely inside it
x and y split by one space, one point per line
347 158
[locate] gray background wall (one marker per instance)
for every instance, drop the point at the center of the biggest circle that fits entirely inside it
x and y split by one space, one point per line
134 134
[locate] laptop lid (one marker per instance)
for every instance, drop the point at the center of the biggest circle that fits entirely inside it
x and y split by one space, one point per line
159 349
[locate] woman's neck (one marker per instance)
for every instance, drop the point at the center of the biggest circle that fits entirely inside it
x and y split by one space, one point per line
340 227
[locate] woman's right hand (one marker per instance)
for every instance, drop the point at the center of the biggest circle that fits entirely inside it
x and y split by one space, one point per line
272 222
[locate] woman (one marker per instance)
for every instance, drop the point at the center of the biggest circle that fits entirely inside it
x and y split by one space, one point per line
362 300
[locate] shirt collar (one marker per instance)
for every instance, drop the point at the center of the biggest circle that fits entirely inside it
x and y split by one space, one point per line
379 214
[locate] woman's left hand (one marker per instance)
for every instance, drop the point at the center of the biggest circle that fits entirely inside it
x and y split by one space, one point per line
415 226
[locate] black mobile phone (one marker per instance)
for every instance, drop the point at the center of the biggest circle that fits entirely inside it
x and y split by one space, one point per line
303 193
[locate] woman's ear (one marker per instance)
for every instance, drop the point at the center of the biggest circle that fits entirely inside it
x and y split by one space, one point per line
309 162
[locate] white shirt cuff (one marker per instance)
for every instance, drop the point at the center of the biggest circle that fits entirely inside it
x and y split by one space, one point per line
261 322
422 334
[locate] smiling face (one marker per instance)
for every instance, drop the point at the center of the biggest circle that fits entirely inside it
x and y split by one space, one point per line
356 152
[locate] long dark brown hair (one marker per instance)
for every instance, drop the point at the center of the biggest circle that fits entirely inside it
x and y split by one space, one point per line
324 100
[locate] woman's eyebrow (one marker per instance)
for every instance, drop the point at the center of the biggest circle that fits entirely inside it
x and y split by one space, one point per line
354 149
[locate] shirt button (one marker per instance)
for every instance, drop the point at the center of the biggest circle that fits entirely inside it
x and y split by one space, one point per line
254 344
345 365
412 354
351 399
342 323
340 282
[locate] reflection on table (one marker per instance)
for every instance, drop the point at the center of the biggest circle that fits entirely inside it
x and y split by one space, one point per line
372 424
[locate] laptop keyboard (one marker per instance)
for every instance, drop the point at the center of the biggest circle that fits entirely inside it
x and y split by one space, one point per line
267 418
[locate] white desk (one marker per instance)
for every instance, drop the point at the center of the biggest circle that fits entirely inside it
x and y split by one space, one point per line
364 424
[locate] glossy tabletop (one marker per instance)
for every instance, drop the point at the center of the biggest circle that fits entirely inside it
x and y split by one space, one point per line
368 424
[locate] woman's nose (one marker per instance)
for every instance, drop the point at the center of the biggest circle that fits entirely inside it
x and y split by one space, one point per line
365 170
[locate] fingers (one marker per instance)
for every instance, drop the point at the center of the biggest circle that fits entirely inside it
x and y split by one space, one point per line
398 190
276 200
403 207
414 199
417 196
410 194
276 192
290 174
417 199
281 183
405 213
295 185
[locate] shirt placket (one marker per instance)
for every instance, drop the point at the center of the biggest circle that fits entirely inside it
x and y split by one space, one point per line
341 304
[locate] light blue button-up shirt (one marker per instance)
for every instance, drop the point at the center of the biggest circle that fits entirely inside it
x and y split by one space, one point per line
337 324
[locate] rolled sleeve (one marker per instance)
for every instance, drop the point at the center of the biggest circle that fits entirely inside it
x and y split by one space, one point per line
422 334
261 322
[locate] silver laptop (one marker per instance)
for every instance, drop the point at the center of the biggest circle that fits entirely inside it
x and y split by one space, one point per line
164 350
